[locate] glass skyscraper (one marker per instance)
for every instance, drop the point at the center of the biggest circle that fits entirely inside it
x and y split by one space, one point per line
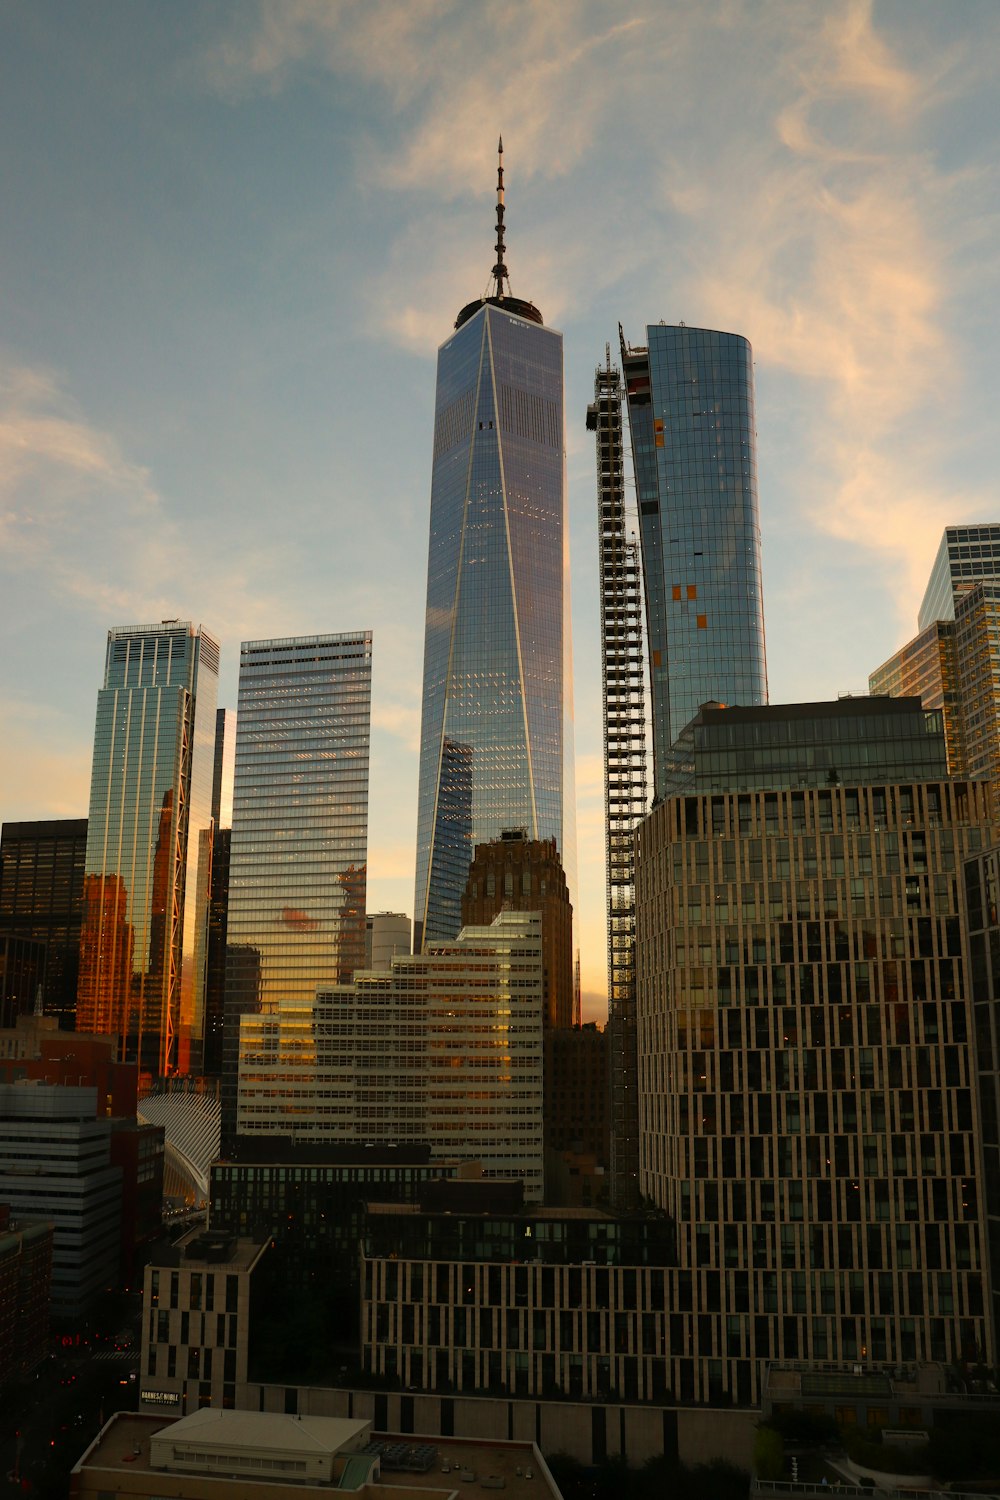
496 743
148 861
300 829
691 415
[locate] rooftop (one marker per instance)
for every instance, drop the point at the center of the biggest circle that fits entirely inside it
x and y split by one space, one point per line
124 1445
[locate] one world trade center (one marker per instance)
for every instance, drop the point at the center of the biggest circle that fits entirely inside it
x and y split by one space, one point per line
496 747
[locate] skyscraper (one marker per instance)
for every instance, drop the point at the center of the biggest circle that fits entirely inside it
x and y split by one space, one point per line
691 416
624 683
142 947
807 1052
41 897
965 555
300 829
953 662
496 749
515 873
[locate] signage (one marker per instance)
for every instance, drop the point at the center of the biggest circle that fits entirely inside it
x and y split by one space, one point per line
159 1398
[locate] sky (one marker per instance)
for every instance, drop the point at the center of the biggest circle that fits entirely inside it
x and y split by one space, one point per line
234 233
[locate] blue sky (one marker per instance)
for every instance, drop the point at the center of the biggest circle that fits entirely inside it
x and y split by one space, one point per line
234 234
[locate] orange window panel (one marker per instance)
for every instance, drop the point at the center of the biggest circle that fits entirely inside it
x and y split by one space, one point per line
703 622
677 591
692 591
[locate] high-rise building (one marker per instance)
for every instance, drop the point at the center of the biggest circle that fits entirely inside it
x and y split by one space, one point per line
41 898
496 748
806 1043
300 829
953 663
444 1049
625 797
56 1164
691 415
387 933
148 862
218 908
224 767
515 873
926 668
965 555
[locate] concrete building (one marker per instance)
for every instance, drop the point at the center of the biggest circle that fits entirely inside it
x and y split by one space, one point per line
387 935
195 1322
25 1295
56 1165
213 1455
36 1049
445 1048
577 1116
530 1303
808 1103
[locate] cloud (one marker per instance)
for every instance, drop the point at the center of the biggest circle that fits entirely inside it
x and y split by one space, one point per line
41 781
827 241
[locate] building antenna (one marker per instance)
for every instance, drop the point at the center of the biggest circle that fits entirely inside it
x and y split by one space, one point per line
500 275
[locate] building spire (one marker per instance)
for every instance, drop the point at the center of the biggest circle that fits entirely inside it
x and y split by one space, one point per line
500 270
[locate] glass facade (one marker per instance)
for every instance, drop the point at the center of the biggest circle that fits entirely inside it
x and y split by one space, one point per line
691 415
148 862
300 829
855 741
496 751
966 554
926 668
41 897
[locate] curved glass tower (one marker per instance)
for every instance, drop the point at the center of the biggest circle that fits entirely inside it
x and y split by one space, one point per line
691 416
495 747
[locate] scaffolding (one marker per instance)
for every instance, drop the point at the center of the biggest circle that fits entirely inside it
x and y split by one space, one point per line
624 768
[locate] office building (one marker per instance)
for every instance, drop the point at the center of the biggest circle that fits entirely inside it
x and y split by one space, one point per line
495 744
296 912
577 1116
213 1454
25 1294
515 873
22 976
982 925
224 768
387 933
218 940
690 402
37 1050
445 1048
524 1302
954 662
625 793
195 1321
807 1068
41 898
55 1165
148 861
965 555
310 1201
927 668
